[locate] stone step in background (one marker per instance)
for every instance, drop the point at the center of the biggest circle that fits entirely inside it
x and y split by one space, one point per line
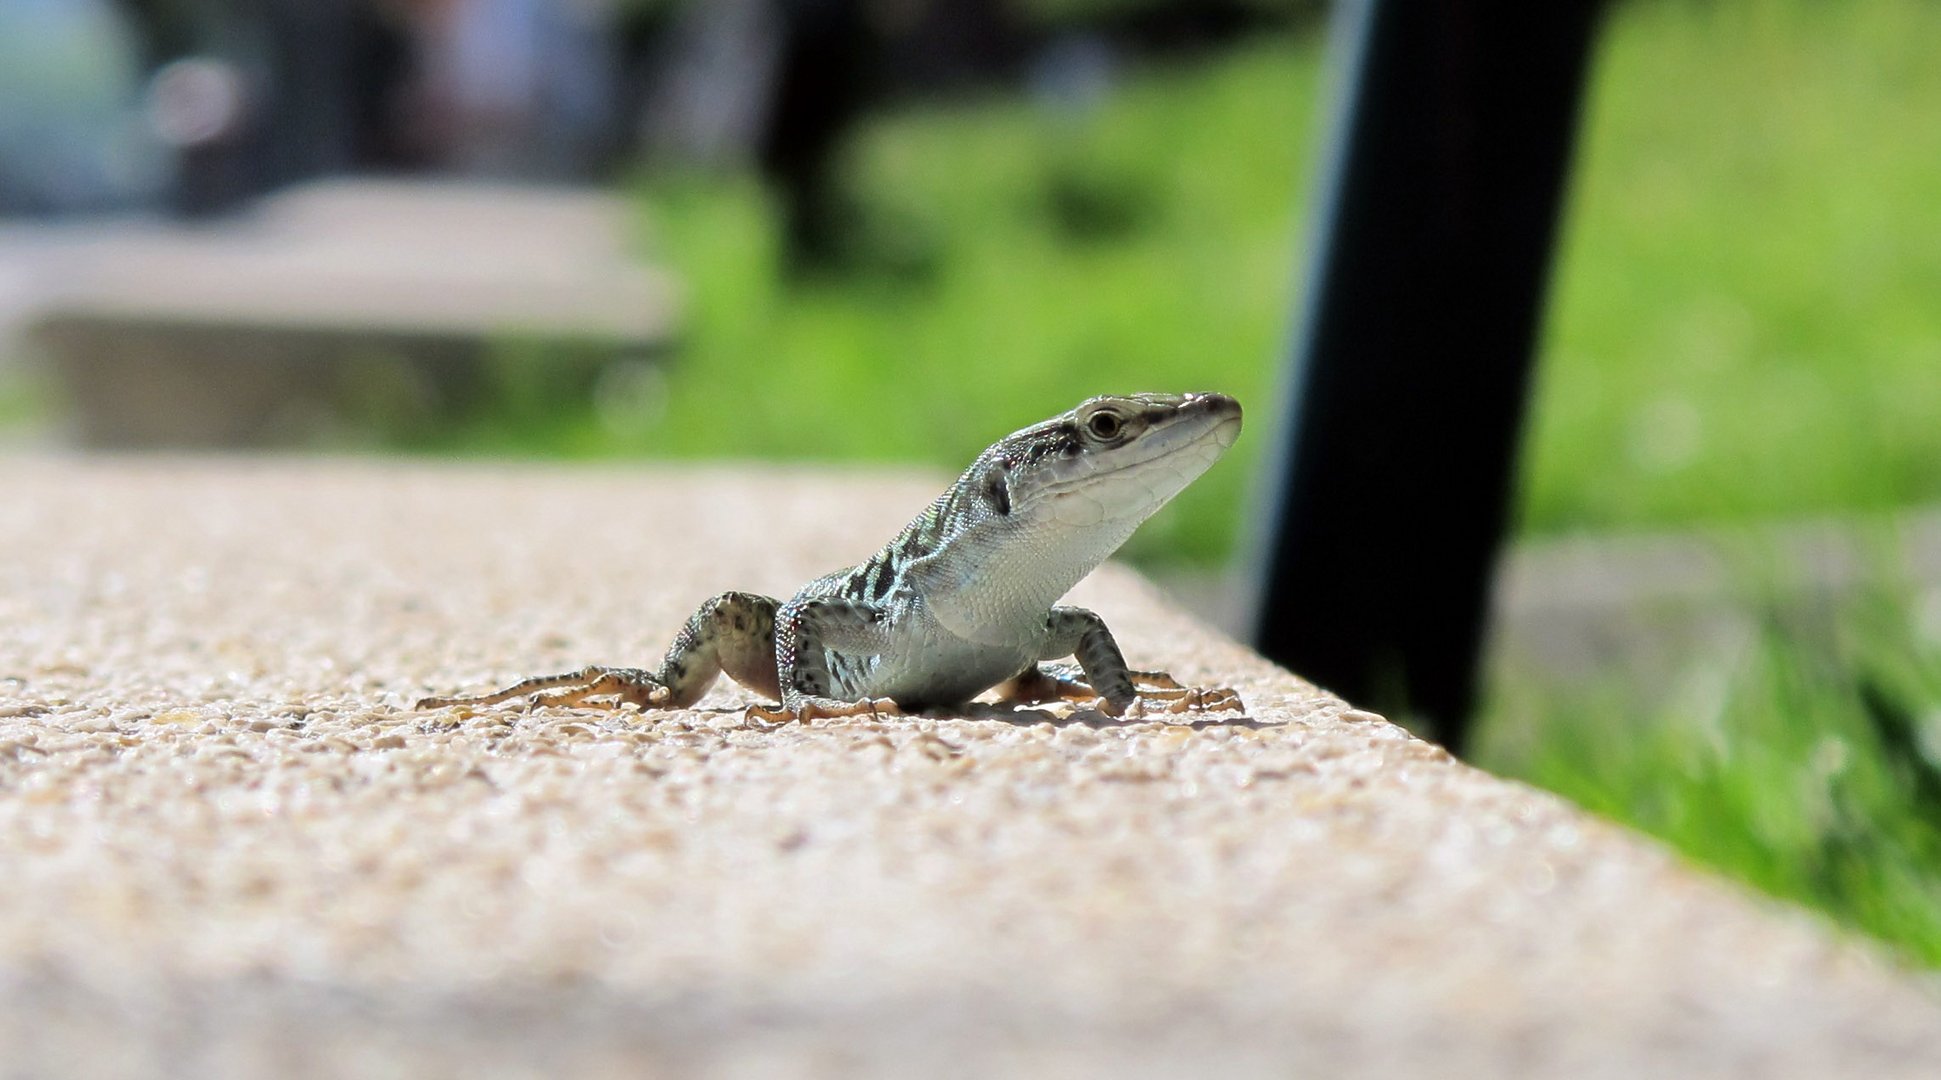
327 306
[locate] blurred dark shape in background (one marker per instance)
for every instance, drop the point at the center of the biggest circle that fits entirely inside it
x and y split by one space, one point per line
200 105
498 88
1434 240
781 83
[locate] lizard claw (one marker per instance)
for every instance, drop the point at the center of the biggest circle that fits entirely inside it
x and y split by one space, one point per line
1121 711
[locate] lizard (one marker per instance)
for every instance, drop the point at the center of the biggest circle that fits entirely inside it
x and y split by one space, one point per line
964 599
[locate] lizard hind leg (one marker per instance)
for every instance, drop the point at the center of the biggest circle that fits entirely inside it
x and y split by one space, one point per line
1157 691
1041 684
570 688
732 632
1044 683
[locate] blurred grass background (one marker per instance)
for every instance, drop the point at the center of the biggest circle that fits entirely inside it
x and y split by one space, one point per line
1744 320
1745 327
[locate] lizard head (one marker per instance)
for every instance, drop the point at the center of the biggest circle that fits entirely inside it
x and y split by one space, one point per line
1112 462
1045 506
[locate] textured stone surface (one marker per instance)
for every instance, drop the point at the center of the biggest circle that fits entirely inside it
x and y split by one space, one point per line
227 848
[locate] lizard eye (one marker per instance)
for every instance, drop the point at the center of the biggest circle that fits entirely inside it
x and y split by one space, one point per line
1104 425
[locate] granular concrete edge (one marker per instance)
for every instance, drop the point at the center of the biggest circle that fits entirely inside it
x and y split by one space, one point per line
228 847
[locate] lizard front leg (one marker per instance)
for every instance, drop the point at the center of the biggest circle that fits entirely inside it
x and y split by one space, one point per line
807 632
1081 634
733 632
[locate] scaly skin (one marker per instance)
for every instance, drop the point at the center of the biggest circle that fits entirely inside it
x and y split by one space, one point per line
964 598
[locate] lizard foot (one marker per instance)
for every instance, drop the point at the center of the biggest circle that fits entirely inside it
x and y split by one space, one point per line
1198 699
815 708
1175 700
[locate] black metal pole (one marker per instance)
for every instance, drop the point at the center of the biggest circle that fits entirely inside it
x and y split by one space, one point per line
1433 242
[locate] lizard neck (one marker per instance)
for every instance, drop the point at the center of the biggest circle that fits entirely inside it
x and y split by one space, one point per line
996 585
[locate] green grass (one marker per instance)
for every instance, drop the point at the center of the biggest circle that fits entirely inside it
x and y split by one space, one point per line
1807 762
1745 326
1746 320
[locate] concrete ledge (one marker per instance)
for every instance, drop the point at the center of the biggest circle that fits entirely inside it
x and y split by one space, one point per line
229 851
